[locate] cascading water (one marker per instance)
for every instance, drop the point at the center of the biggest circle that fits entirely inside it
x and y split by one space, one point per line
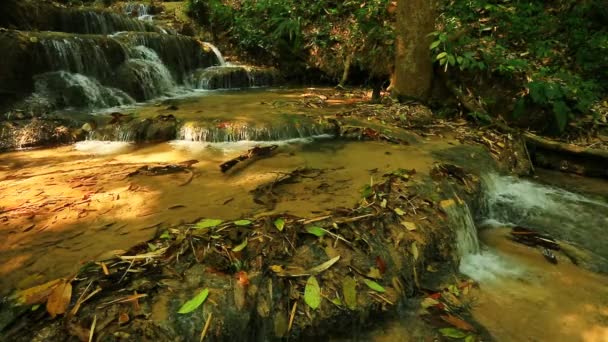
144 75
217 53
509 201
233 76
138 10
65 89
562 214
197 132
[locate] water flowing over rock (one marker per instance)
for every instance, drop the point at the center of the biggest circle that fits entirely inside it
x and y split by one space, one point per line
234 76
30 16
562 214
145 77
66 89
230 132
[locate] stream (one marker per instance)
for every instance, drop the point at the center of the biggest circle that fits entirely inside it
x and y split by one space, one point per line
121 94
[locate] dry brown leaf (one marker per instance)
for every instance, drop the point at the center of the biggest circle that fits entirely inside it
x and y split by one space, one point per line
457 322
59 299
123 318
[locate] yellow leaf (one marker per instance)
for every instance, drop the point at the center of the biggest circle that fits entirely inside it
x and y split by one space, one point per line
37 294
447 203
59 300
409 225
414 250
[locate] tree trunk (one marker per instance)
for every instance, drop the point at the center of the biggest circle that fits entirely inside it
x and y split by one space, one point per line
413 65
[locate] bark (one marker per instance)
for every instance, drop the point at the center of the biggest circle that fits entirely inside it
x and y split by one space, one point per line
413 65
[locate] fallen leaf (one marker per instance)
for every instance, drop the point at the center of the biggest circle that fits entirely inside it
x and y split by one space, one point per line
349 290
312 293
457 322
381 264
383 203
59 299
447 203
316 231
452 332
399 212
242 279
323 266
428 302
194 303
123 318
37 294
241 246
242 222
373 285
279 224
414 250
374 273
409 225
208 223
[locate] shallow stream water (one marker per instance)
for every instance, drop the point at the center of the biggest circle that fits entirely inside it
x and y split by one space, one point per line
64 206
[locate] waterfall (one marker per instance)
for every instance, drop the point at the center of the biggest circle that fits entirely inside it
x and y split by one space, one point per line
101 22
217 53
144 75
138 10
65 89
81 55
461 219
233 76
142 65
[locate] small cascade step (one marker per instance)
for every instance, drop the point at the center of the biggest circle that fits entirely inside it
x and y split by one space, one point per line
234 76
30 16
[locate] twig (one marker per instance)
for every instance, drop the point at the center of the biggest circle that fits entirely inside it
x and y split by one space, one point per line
92 332
207 324
292 316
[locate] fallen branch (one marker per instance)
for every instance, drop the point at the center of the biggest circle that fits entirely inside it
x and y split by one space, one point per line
254 152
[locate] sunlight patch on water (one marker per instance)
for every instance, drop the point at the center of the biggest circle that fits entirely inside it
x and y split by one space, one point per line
98 147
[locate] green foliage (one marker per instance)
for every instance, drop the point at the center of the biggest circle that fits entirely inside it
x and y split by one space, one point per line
319 34
556 50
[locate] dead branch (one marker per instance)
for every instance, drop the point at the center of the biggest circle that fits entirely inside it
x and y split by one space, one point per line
254 152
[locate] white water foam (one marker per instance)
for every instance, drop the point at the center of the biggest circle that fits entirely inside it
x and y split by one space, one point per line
243 145
97 147
489 266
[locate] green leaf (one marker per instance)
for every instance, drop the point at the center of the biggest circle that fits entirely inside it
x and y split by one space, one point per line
373 285
152 247
242 222
194 303
442 55
470 338
399 212
165 235
435 44
312 293
452 332
367 191
208 223
241 246
414 250
451 60
561 112
280 224
316 231
349 290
